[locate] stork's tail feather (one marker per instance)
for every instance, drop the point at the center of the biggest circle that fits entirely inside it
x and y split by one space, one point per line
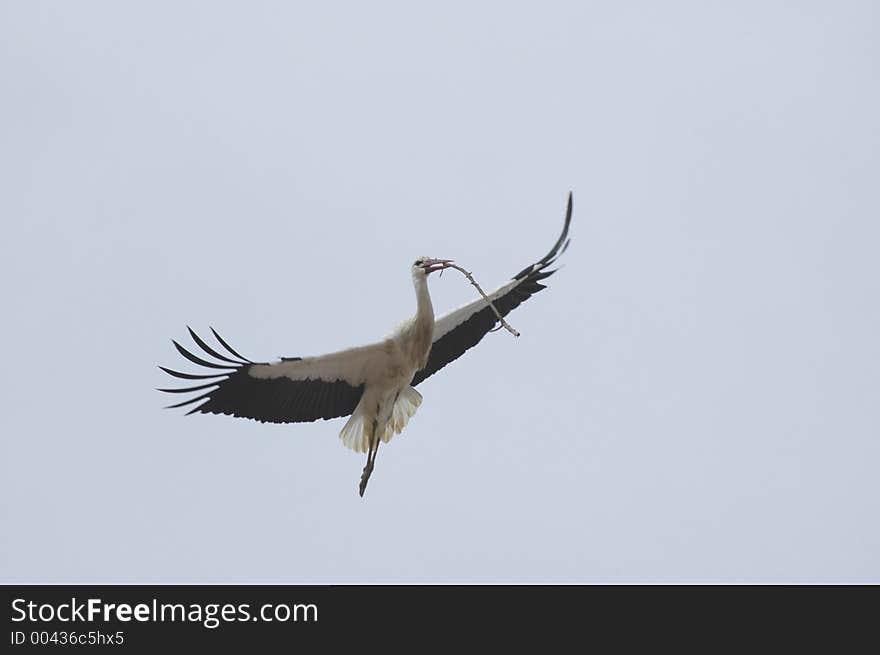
356 432
404 408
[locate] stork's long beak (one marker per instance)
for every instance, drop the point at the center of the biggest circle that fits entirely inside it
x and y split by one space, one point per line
431 265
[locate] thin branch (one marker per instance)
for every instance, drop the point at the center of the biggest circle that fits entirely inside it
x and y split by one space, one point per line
471 279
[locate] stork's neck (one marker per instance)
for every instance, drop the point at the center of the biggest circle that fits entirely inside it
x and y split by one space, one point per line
424 308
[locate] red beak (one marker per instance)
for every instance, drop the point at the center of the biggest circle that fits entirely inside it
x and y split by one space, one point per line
431 265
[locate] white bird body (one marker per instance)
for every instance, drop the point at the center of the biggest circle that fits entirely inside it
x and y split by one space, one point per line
385 368
372 384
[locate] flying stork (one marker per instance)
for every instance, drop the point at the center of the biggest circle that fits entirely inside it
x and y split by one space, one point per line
373 384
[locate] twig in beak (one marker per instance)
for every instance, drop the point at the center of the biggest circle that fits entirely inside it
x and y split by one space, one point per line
471 279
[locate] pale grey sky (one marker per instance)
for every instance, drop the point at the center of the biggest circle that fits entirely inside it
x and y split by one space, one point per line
694 399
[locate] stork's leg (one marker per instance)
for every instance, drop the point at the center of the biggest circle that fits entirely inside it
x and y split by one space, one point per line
371 459
368 469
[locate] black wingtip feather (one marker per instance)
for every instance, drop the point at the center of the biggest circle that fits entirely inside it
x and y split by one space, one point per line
560 245
190 401
192 376
196 409
198 360
556 251
209 350
564 248
228 347
195 388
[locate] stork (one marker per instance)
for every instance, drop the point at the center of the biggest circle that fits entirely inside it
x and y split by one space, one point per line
374 385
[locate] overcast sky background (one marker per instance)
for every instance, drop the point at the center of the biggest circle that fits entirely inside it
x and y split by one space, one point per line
694 398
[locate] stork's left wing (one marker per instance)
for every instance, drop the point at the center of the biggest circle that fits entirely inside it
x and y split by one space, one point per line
463 328
293 390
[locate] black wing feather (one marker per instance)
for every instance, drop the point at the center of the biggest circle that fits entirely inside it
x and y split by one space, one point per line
211 351
190 376
228 347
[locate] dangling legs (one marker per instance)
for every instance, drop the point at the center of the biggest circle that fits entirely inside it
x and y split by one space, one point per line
371 458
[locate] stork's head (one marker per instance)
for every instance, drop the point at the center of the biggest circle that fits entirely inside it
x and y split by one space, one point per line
424 266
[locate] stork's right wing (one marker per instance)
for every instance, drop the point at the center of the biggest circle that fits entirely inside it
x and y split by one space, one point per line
463 328
293 390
